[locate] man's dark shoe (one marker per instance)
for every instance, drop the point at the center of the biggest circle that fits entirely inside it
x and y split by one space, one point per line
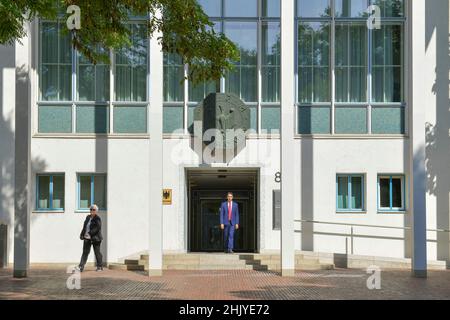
79 268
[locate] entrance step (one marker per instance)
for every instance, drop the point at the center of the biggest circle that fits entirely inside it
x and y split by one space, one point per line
128 267
222 261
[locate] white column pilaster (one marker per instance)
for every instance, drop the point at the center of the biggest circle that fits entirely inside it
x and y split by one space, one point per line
417 104
22 171
155 157
287 137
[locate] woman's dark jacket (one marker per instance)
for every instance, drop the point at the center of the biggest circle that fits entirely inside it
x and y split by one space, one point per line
95 230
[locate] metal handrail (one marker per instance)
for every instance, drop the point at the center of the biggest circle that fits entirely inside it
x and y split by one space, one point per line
365 225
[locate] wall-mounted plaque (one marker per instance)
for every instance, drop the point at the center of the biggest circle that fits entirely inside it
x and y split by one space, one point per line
167 196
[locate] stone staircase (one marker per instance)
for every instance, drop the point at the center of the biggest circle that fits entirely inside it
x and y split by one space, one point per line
221 261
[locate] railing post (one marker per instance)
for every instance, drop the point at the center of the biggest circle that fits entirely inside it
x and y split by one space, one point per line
351 239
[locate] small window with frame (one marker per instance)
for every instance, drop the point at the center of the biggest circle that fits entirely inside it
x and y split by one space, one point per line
50 192
391 193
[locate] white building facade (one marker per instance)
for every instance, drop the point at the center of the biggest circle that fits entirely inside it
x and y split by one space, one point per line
359 113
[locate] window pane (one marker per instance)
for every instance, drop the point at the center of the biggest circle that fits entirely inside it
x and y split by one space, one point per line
85 192
191 109
270 68
131 67
65 82
93 81
172 119
173 78
270 119
315 8
239 8
384 193
123 82
49 42
356 197
387 60
351 66
212 8
397 193
390 8
65 45
342 193
130 119
43 192
351 8
352 120
388 120
313 62
242 81
55 119
92 119
253 118
312 120
321 84
271 8
58 192
270 84
198 92
100 191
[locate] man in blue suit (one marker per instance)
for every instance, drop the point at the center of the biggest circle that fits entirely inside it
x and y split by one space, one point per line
229 221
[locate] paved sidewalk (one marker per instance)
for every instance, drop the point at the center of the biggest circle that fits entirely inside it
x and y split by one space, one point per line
49 282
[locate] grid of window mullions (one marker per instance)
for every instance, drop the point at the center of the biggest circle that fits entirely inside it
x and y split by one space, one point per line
74 101
332 20
259 104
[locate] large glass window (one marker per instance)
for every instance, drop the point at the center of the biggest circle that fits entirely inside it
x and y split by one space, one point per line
351 62
271 60
91 190
50 192
387 62
254 26
368 67
314 62
131 67
87 106
55 63
242 81
173 78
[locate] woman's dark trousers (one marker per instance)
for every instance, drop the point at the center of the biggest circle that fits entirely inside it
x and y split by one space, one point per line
87 249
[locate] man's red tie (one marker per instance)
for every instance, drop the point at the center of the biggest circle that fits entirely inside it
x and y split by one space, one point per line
229 211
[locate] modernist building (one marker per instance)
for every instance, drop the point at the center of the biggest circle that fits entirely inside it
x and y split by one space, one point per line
350 105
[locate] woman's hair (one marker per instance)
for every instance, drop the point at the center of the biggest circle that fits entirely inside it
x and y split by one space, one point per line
94 206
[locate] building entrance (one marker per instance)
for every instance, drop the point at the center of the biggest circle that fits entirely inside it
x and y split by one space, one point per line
207 190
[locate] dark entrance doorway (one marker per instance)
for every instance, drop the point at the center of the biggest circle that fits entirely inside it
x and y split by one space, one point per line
207 190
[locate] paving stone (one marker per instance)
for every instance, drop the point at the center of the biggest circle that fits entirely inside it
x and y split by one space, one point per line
49 282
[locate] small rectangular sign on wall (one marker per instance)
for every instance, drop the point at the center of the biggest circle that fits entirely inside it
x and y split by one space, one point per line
276 209
167 196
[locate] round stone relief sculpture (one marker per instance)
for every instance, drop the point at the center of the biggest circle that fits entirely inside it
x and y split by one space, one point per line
226 114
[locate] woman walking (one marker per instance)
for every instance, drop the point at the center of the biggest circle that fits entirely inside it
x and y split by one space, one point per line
92 235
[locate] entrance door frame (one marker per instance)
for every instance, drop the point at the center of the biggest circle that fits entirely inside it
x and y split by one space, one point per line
187 203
